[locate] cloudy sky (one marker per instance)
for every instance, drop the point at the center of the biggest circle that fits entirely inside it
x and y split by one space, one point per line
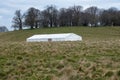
8 7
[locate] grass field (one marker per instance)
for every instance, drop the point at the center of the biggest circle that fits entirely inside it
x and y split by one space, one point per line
97 57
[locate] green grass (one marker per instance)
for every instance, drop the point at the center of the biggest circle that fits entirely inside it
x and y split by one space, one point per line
97 57
88 33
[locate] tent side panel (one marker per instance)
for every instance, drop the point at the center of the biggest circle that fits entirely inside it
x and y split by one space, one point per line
45 40
73 37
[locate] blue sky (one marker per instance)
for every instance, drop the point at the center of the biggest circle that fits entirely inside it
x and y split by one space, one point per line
8 7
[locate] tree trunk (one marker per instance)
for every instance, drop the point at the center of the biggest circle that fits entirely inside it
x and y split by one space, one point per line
20 24
36 24
31 26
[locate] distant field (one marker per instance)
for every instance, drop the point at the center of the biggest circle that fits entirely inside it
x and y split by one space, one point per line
97 57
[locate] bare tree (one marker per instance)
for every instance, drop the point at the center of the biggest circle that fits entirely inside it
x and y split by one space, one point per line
37 18
85 19
32 17
17 20
77 10
110 17
93 15
44 18
50 16
63 17
69 16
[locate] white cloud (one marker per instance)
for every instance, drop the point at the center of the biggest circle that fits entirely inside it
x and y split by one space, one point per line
4 11
0 17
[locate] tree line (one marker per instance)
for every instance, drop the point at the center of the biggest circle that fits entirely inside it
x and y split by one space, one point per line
72 16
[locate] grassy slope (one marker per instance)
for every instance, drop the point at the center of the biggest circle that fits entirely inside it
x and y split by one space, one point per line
87 33
96 57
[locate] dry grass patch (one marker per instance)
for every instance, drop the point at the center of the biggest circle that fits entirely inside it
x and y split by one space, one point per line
96 57
60 60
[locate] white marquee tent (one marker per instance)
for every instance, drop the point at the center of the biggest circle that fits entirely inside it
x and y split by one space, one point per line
54 37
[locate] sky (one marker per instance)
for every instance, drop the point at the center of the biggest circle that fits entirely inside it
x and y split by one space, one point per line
8 7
